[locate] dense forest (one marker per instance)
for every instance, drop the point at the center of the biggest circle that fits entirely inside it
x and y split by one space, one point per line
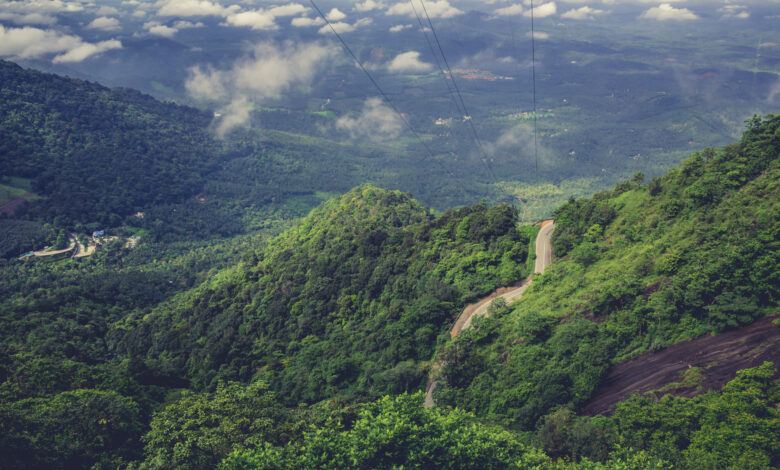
349 301
232 338
98 154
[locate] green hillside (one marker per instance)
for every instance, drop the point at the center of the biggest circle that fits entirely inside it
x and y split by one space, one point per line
639 268
92 156
214 345
350 301
98 154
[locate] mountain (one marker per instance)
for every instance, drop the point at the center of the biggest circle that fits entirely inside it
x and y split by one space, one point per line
639 269
83 157
237 335
98 154
350 301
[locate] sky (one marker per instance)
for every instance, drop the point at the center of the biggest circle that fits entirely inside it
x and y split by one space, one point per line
287 44
72 31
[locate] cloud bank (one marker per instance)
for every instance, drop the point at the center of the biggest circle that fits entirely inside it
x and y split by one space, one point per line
375 122
30 42
266 73
511 10
666 12
437 9
408 62
542 11
582 13
104 23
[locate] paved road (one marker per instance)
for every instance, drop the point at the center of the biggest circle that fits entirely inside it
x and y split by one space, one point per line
511 293
544 246
543 259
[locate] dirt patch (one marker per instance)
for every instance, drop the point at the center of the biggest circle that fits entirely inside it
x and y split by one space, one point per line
11 205
719 357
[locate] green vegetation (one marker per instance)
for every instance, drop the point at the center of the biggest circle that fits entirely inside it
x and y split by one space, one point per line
210 346
396 432
351 301
98 154
736 428
641 267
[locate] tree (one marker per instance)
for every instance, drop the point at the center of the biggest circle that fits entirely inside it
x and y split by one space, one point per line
396 432
198 430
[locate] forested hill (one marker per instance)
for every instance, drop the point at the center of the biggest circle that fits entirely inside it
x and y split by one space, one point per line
300 356
638 268
97 154
351 301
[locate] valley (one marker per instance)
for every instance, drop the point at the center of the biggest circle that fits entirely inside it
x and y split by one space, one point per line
377 235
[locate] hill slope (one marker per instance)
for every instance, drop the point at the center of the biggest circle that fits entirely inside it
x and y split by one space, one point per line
98 154
350 301
641 267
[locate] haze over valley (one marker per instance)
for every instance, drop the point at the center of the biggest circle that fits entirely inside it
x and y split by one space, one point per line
251 234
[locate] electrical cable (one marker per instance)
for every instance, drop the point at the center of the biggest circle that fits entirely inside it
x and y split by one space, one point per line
381 92
533 80
436 58
467 116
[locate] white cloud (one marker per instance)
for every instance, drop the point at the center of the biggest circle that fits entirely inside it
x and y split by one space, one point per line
342 27
288 10
208 84
542 11
235 114
538 35
665 12
399 27
28 18
266 73
106 10
335 15
181 24
408 62
437 9
81 52
375 122
520 135
159 29
511 10
774 92
269 71
582 13
185 8
517 141
735 11
258 19
162 30
30 42
42 6
263 19
104 23
304 21
139 13
369 5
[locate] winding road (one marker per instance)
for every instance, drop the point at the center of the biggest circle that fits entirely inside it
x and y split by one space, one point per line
543 250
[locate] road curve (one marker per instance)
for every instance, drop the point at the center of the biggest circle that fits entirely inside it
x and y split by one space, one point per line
514 292
543 249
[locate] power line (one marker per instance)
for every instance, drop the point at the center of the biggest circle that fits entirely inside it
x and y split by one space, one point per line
467 116
381 92
533 80
436 58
